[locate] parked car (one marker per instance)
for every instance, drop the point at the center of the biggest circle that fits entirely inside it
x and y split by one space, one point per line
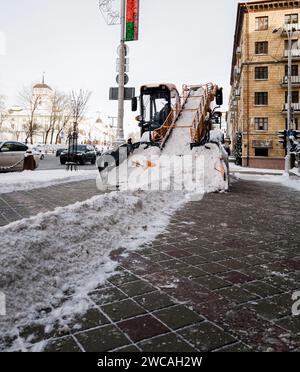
38 151
84 154
60 150
12 155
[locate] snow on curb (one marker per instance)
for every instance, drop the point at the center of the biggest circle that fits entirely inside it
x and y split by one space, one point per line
29 180
284 180
49 254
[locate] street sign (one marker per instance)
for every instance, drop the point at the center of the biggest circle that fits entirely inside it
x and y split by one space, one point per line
126 50
126 67
126 79
129 93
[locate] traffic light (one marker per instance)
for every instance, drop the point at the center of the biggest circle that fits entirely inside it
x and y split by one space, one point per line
283 138
219 97
296 135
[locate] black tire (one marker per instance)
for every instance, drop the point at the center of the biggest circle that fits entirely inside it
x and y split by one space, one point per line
82 161
63 162
93 162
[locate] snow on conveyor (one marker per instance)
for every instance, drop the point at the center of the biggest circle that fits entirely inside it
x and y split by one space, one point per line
180 139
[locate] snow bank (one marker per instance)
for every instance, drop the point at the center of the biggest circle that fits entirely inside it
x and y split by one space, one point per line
238 169
201 170
283 180
47 255
28 180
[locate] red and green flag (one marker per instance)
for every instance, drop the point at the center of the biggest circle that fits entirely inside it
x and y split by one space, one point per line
132 20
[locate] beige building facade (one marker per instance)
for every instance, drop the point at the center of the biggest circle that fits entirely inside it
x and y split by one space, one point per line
257 107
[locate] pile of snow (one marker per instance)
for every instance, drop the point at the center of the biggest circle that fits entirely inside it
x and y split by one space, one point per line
69 248
29 180
283 180
201 170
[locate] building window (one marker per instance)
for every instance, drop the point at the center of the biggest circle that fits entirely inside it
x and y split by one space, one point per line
261 73
262 152
261 47
291 19
294 44
261 98
295 97
261 123
295 70
261 23
296 124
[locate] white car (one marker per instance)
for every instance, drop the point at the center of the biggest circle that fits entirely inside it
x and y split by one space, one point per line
12 154
38 151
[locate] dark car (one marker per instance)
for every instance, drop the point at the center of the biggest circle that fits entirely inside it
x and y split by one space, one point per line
60 150
113 158
84 154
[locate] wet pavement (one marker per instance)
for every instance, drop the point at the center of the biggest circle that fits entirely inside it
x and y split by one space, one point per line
220 278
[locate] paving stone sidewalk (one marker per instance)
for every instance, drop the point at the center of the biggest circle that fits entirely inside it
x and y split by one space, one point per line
220 278
23 204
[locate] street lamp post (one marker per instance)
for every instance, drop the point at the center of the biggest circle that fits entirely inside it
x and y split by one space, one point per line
289 30
122 51
289 100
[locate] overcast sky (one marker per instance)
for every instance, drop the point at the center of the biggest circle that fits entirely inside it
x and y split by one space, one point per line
186 41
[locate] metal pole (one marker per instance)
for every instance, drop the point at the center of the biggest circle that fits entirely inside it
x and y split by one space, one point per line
289 117
120 130
289 81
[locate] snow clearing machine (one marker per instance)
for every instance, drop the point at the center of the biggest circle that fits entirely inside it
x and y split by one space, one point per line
175 125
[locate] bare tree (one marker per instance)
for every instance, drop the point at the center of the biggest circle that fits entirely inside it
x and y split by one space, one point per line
65 118
57 107
31 103
79 103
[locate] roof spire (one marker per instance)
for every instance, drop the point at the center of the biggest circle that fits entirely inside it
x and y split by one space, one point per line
43 80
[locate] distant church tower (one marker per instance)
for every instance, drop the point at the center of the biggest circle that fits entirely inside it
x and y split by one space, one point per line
45 93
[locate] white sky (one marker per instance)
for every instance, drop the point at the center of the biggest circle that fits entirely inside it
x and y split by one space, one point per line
180 42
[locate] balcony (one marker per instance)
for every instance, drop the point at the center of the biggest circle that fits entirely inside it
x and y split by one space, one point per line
295 54
295 81
233 106
237 73
295 27
237 94
296 107
239 51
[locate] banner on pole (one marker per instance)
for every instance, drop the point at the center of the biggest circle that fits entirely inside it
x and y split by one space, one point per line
132 20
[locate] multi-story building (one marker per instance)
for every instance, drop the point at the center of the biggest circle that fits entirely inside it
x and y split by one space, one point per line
258 100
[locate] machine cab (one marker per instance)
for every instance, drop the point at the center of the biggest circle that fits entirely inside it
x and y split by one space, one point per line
156 103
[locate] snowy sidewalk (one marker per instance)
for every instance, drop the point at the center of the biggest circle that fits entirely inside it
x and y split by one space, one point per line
220 278
17 205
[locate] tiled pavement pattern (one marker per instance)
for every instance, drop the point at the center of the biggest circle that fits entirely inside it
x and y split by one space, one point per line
23 204
220 278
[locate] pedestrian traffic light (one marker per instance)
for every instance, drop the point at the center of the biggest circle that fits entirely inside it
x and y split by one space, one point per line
283 138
